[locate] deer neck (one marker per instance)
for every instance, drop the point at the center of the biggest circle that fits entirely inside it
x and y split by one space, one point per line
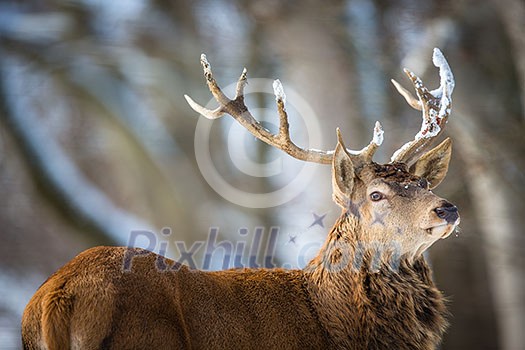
354 290
349 251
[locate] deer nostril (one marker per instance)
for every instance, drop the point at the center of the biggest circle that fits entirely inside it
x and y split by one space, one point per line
440 212
448 212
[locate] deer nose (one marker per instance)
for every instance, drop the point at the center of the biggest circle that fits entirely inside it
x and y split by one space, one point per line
448 212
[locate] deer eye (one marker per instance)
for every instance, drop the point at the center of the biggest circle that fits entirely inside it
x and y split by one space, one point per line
376 196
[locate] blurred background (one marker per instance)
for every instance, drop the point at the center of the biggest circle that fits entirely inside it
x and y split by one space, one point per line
96 139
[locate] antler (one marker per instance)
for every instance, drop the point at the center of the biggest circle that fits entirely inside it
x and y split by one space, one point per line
434 104
238 110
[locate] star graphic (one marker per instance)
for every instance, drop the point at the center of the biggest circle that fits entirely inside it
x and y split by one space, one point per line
318 220
378 218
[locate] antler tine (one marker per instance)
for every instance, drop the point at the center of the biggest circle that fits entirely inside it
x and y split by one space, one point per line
368 152
280 99
212 83
434 104
241 84
411 100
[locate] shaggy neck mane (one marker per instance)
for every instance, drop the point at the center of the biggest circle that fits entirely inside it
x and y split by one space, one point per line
371 297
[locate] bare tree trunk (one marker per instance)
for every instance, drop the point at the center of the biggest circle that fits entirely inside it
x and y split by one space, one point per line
493 205
512 13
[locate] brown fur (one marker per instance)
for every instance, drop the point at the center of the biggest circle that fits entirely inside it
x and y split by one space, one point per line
56 310
360 292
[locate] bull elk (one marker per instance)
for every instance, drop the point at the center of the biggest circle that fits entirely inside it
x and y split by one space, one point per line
369 286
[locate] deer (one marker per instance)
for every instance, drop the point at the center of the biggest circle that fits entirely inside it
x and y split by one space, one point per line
369 286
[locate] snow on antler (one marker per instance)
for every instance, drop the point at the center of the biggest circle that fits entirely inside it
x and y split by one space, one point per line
435 105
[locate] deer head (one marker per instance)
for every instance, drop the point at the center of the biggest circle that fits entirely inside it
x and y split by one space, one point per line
383 204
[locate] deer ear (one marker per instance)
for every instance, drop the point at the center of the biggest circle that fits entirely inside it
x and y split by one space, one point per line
342 174
433 165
